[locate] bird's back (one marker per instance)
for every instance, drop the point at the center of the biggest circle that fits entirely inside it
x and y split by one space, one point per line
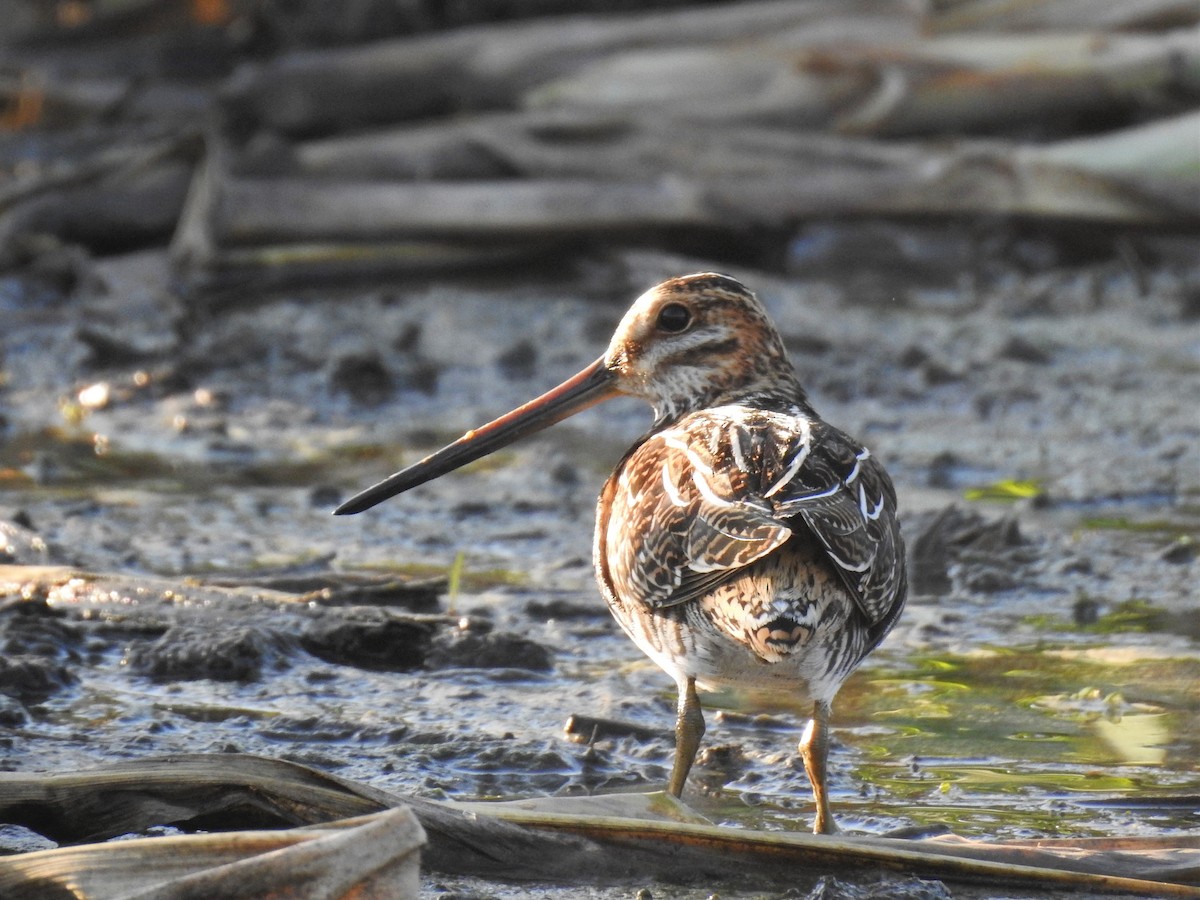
752 547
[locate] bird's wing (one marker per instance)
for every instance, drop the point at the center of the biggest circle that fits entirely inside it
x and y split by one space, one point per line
683 520
696 503
847 501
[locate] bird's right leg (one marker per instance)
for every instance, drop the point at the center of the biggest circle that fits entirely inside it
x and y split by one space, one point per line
689 728
814 750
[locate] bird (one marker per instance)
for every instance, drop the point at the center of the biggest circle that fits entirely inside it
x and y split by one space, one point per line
741 542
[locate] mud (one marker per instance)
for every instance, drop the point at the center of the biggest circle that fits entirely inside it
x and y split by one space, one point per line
1034 400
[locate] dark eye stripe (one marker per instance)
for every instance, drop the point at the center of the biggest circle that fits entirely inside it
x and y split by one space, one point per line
700 355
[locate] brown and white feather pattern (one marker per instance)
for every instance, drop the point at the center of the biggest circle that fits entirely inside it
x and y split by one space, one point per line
743 542
745 545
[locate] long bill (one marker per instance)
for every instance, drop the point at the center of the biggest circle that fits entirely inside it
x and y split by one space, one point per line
593 385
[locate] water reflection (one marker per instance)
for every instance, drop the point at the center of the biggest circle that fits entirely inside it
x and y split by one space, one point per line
996 742
1138 739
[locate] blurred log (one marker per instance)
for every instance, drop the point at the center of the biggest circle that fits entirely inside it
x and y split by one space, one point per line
706 121
685 131
815 64
1168 150
188 791
203 252
118 197
370 857
691 178
1050 82
960 83
491 66
571 145
120 213
1022 15
58 101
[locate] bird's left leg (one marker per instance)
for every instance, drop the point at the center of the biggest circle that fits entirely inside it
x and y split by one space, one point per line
814 750
689 728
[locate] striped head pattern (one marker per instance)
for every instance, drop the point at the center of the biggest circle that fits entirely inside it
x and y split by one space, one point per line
699 341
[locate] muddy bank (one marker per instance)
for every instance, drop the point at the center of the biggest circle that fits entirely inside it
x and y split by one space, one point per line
1040 624
183 468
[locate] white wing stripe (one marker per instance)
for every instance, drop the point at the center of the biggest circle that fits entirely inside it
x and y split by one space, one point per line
735 447
861 567
786 478
815 496
669 486
694 458
871 514
708 493
853 472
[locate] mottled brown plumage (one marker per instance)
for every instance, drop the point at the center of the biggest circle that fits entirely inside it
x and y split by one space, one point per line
742 541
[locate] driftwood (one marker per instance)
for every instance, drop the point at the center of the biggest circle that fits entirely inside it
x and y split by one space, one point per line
684 177
490 66
122 194
371 857
958 83
817 64
94 591
1021 15
718 121
500 142
608 147
611 839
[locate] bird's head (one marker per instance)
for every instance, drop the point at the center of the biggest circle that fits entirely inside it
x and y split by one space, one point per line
686 344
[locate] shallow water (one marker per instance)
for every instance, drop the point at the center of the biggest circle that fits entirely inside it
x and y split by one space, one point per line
1055 739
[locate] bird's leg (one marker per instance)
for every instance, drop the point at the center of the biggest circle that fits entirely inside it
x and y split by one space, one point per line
689 728
814 750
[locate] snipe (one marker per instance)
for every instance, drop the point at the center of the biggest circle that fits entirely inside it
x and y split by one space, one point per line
742 541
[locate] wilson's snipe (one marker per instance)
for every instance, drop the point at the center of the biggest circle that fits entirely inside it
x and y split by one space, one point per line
742 541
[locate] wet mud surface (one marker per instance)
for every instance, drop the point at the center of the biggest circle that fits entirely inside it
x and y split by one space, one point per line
172 462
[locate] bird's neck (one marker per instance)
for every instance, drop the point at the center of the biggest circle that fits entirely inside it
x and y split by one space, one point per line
784 395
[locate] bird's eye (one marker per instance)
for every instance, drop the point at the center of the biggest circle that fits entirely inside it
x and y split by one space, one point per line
674 318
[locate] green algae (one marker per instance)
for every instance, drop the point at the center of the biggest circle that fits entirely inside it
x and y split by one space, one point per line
1029 725
1046 739
1133 616
1006 490
1168 527
470 581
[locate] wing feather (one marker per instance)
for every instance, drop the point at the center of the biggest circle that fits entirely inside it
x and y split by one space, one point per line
695 504
847 501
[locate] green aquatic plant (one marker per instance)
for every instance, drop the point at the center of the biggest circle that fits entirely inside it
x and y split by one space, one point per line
454 580
1006 490
1136 615
469 580
1149 526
